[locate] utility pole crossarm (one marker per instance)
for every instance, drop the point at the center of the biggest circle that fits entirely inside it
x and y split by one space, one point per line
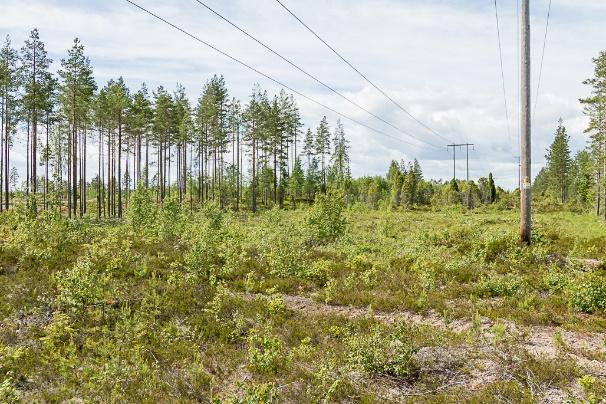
454 156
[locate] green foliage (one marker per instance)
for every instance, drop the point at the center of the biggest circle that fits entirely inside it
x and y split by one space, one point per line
593 389
8 392
169 218
556 280
382 353
215 244
500 286
588 293
79 285
325 221
141 318
264 352
497 246
141 213
257 393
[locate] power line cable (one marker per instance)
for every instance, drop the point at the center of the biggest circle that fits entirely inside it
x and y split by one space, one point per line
361 74
496 9
291 63
276 81
536 101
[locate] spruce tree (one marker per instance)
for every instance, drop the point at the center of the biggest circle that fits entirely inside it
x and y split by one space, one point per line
322 147
395 178
409 187
491 189
340 156
559 162
582 178
296 182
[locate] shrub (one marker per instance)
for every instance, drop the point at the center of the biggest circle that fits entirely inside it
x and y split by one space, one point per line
8 392
215 245
500 286
588 293
382 353
284 257
555 280
141 213
281 245
79 285
325 221
318 271
497 246
169 218
257 393
264 352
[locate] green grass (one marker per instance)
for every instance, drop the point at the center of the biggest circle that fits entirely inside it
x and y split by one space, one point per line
157 310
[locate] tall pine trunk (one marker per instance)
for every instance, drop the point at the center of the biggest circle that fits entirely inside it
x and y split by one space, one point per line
28 159
254 177
120 165
74 158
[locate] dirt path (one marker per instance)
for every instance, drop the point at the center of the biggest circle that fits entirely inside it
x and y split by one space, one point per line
539 340
587 350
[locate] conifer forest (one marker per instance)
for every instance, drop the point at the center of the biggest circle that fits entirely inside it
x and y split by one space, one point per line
164 244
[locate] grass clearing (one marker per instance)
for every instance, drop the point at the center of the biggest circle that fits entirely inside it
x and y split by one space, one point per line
406 306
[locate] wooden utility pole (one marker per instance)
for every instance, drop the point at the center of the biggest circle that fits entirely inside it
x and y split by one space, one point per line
525 150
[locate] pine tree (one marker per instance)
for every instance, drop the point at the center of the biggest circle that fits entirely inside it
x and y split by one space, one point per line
312 178
138 119
234 119
76 95
34 64
163 105
9 114
253 135
416 167
119 103
183 131
51 116
595 109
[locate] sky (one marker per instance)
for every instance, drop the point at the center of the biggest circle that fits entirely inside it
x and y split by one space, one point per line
439 59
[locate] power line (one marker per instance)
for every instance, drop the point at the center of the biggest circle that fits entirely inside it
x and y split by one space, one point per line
536 101
276 81
243 31
361 74
496 11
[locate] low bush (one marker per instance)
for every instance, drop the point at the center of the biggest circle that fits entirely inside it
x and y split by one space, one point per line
325 220
79 285
588 293
264 352
500 286
382 353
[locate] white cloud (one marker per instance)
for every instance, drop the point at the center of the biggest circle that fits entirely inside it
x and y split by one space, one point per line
438 58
